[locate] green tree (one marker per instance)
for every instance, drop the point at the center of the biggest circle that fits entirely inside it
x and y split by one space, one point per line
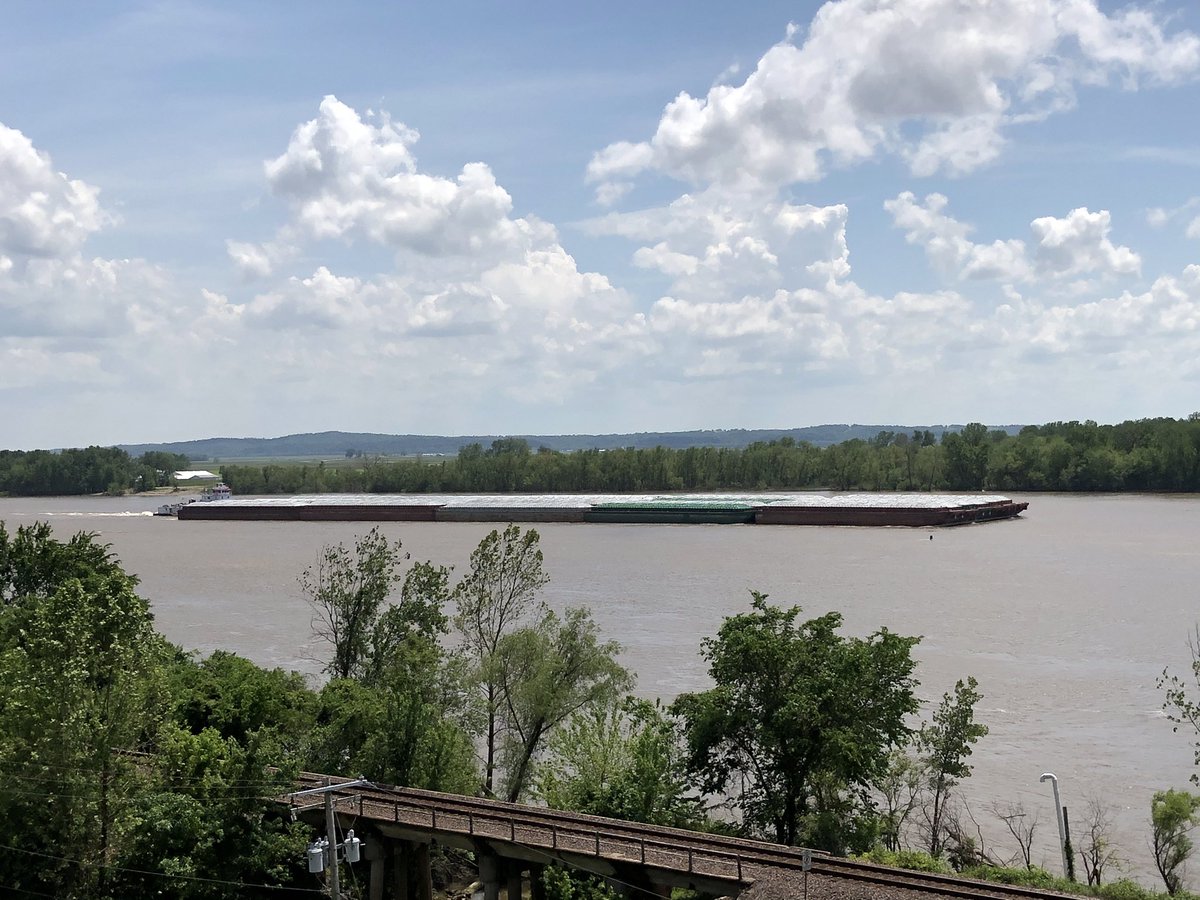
800 716
84 679
419 618
204 825
402 717
346 591
493 598
404 729
967 457
1173 814
546 673
623 759
1182 708
163 466
33 564
899 787
240 700
80 675
945 743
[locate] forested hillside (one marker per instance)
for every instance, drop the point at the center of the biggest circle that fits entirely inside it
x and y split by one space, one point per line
339 443
1143 455
1146 455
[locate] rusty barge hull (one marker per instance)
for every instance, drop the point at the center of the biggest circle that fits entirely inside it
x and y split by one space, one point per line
869 510
232 511
913 517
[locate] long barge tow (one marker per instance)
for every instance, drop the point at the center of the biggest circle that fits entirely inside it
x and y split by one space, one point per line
801 508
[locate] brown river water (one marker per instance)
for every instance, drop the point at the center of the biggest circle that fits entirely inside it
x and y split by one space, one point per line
1066 616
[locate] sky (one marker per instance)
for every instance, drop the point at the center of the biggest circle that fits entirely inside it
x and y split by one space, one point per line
254 219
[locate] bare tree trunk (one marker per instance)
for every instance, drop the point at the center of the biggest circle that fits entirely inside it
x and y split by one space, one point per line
1021 825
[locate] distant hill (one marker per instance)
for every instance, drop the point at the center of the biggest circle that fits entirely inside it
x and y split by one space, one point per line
341 443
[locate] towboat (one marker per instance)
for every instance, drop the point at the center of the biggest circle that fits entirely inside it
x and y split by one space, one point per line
220 491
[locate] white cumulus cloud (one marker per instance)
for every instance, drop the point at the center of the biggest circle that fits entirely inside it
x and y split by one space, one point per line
43 213
491 294
1075 245
1079 245
717 246
348 178
49 289
947 243
939 82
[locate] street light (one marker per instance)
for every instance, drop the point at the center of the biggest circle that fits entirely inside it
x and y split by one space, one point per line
1062 828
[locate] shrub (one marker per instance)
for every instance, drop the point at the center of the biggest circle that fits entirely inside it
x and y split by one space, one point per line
914 860
1035 877
1125 890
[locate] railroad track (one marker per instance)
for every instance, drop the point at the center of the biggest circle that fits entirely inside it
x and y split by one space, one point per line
717 857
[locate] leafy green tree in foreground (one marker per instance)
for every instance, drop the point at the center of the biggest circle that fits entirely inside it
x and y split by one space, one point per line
1182 708
624 760
395 710
945 743
494 599
418 619
241 701
85 678
800 722
346 591
399 731
79 676
1173 814
33 564
202 823
546 673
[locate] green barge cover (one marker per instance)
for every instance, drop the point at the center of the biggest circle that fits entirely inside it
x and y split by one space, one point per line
673 512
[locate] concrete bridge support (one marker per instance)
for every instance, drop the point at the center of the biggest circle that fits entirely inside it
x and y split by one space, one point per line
406 862
422 872
537 887
490 867
375 853
513 888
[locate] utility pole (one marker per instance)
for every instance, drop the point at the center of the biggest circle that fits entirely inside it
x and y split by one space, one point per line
323 853
335 887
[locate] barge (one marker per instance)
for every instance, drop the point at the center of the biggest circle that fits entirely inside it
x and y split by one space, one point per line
801 508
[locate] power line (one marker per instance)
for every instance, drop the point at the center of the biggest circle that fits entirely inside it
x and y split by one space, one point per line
150 777
92 770
128 792
199 878
11 887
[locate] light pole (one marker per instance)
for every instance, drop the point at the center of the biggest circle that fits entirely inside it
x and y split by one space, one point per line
1062 828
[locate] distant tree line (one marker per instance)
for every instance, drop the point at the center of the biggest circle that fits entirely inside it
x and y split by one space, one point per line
1143 455
92 470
